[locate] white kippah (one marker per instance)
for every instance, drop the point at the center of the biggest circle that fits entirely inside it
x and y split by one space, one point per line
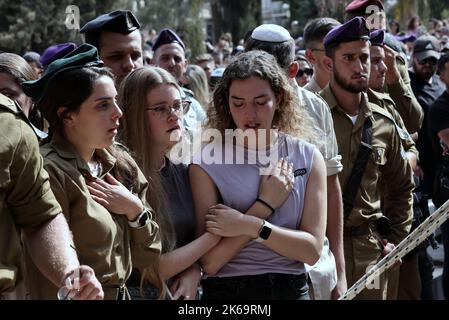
271 33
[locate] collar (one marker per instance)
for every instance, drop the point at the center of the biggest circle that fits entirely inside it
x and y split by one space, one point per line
366 108
67 151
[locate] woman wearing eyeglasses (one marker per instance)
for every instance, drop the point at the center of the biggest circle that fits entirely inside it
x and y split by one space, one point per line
152 125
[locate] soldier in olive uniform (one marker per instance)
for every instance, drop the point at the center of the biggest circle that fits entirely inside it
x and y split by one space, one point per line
98 185
28 205
405 279
397 84
369 142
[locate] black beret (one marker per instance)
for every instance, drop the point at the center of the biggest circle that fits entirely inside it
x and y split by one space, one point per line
119 21
377 38
167 36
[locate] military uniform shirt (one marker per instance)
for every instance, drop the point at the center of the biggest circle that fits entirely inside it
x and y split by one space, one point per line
26 199
103 240
387 162
406 104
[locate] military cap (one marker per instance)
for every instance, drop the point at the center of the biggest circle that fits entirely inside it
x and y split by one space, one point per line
406 38
55 52
354 29
120 21
85 55
167 36
377 38
426 47
360 5
271 33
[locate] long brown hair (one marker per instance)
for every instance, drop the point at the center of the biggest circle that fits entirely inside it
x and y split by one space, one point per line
133 94
290 118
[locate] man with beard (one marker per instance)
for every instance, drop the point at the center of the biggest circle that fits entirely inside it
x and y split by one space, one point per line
371 151
427 87
117 37
397 81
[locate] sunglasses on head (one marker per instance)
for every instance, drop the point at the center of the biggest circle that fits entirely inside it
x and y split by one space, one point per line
307 71
431 61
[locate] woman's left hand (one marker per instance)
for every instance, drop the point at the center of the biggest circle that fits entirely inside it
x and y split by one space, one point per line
186 283
114 196
227 222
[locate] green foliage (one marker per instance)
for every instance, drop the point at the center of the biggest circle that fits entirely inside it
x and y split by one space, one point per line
235 16
36 24
194 29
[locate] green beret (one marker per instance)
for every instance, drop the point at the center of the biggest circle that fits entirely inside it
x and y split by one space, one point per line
85 55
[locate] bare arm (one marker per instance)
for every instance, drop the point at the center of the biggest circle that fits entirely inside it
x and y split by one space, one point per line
334 228
304 244
50 248
205 195
178 260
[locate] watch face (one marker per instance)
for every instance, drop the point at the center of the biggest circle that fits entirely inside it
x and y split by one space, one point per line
265 232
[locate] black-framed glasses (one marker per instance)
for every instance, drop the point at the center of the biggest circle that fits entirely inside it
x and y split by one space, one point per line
163 111
307 71
431 61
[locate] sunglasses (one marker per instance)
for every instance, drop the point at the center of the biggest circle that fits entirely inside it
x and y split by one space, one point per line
306 71
431 61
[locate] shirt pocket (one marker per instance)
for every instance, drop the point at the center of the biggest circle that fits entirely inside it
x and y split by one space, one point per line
378 156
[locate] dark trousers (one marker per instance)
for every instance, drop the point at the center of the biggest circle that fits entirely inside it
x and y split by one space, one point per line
425 263
445 237
270 286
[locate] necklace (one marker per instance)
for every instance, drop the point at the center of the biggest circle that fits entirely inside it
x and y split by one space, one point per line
95 169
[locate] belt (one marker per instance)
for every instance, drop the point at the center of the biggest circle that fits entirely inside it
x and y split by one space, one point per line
363 229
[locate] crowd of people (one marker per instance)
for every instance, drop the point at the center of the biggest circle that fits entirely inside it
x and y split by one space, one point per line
275 169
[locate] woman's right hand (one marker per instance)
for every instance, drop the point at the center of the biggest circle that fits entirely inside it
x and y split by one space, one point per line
274 189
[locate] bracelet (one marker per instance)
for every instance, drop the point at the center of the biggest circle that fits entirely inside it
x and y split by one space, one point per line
265 204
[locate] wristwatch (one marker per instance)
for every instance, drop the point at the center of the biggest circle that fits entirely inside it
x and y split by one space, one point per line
140 221
264 232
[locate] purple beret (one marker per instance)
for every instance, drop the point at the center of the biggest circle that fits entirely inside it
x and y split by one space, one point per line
358 5
55 52
406 38
377 38
354 29
167 36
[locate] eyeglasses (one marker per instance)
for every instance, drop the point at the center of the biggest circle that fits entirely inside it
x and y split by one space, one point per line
431 61
316 49
164 111
306 71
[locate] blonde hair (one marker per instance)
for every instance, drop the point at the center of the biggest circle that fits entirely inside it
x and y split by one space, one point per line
197 82
290 118
133 100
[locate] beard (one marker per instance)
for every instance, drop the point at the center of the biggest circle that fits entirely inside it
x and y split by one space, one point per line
350 87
